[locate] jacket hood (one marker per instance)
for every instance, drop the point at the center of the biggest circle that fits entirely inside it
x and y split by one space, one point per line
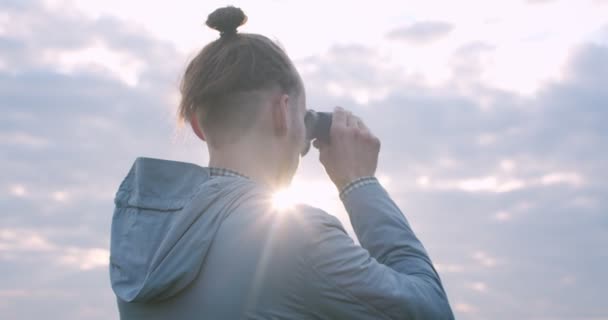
165 218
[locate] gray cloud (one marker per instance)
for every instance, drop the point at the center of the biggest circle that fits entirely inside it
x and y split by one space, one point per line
533 214
466 62
422 32
67 139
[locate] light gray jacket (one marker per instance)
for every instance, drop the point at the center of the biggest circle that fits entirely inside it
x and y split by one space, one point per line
187 245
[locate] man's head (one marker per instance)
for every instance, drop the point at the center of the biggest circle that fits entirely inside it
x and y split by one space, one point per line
243 90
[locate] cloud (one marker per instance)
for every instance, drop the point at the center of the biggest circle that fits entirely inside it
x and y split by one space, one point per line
39 37
502 175
468 61
17 243
81 98
422 32
464 308
503 189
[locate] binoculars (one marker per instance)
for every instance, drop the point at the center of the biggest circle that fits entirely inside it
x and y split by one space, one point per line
317 127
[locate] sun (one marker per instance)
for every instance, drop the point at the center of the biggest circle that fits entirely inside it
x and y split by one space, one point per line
319 193
284 199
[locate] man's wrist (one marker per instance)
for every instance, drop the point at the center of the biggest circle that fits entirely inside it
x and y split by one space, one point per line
357 183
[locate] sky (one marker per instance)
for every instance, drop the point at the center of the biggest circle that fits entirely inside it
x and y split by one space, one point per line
490 115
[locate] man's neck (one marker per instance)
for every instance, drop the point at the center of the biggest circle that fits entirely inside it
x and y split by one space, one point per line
258 165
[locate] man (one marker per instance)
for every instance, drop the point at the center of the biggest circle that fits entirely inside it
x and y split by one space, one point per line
191 242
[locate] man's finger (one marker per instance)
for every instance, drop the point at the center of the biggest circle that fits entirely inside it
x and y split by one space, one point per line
350 120
339 118
361 125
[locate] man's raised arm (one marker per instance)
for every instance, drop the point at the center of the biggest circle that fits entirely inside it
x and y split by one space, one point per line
390 276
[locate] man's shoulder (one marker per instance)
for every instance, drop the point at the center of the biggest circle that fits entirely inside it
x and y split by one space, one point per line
316 219
298 225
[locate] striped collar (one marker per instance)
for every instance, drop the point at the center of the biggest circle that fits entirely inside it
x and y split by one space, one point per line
223 172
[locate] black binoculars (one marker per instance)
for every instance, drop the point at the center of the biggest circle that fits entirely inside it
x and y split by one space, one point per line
317 127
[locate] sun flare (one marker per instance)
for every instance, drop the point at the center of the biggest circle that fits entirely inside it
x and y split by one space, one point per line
284 199
317 193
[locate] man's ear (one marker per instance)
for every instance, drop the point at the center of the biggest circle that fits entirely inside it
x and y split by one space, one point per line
280 114
196 128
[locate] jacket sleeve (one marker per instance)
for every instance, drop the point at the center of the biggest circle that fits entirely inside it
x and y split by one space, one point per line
389 276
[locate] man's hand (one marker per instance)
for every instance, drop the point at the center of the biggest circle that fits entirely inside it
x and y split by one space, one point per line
352 151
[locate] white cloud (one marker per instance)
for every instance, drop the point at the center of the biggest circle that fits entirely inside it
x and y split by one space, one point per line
499 183
23 240
465 307
122 66
522 43
478 286
60 196
85 259
18 190
4 20
23 139
16 243
423 181
568 178
489 183
503 216
507 165
484 259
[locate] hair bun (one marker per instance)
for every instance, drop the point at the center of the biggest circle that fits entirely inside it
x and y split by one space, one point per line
226 20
